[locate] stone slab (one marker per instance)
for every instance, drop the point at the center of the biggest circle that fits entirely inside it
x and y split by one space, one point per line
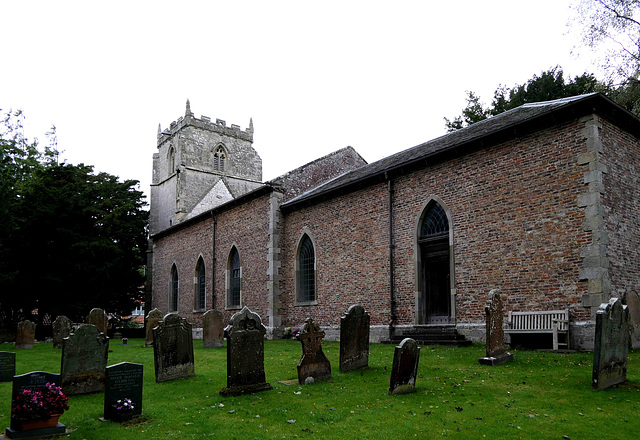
173 348
405 367
123 380
7 366
84 361
354 339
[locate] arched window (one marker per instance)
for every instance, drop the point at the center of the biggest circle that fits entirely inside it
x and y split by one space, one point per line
219 158
435 223
306 271
201 290
172 160
173 293
234 280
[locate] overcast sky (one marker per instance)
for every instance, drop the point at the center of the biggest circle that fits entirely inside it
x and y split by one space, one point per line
314 76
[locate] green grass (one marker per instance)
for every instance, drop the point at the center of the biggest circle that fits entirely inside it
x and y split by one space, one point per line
538 395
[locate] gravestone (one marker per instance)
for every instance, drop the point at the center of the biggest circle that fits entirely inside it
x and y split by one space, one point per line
212 329
354 339
245 354
632 300
313 365
26 334
153 318
7 366
33 381
611 347
84 360
98 318
173 348
494 314
123 381
61 329
405 367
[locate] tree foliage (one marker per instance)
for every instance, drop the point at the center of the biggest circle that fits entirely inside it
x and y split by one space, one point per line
71 239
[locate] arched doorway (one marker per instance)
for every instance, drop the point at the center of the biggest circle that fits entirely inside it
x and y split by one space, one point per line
434 302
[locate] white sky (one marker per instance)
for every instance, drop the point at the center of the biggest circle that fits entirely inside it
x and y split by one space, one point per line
314 76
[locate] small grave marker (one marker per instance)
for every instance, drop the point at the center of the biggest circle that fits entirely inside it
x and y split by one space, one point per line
61 329
632 300
212 329
405 367
611 348
26 335
84 360
7 366
173 348
494 313
123 381
153 318
313 365
98 318
354 339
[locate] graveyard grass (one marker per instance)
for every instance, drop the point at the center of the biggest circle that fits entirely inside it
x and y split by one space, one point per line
538 395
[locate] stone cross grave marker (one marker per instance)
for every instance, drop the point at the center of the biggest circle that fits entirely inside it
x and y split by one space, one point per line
632 300
212 329
123 381
98 318
405 367
61 329
173 348
245 354
313 364
354 339
153 318
33 381
494 313
7 366
84 360
26 335
611 347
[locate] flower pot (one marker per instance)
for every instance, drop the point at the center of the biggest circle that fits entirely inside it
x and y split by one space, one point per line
27 425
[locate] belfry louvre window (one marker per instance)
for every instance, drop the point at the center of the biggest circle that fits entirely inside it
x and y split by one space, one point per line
173 299
235 278
306 271
201 288
219 159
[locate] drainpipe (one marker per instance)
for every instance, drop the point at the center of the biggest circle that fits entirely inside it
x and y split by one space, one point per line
392 299
213 261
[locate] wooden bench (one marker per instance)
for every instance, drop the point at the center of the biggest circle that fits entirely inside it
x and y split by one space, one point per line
555 322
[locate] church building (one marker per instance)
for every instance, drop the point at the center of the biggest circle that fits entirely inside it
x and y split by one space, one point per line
541 202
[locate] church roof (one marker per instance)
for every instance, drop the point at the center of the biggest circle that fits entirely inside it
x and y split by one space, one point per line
508 125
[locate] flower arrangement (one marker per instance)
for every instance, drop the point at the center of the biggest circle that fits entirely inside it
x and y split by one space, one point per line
123 406
39 404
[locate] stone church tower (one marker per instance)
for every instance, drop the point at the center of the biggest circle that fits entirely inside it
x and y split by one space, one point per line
199 165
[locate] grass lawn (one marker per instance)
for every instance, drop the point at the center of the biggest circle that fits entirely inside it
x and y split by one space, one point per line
538 395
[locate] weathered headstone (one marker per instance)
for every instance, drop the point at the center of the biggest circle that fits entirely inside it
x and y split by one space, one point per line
61 329
212 329
245 354
7 366
33 381
173 348
84 360
98 318
494 314
405 367
26 334
632 300
123 381
611 347
153 318
313 365
354 339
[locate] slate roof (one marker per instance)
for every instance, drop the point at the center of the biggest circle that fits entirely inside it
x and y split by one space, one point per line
513 123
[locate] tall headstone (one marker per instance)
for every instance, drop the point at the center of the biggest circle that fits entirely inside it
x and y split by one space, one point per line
405 367
354 339
98 318
173 348
33 381
61 329
123 381
153 318
245 354
26 334
494 315
7 366
313 365
212 329
84 360
611 347
632 300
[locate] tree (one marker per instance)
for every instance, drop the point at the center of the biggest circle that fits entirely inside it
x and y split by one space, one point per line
548 86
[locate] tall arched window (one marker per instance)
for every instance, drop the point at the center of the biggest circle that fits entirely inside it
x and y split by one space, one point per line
435 223
173 294
201 290
234 280
219 158
306 271
172 160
